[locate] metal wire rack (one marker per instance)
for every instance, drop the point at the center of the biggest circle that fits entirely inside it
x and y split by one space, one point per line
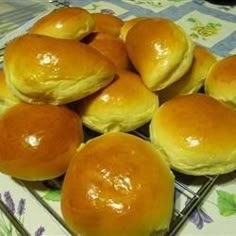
183 189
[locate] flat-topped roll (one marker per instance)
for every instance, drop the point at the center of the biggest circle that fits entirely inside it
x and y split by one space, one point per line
111 47
7 99
221 80
197 134
55 71
160 51
37 142
67 23
195 77
123 105
107 23
118 184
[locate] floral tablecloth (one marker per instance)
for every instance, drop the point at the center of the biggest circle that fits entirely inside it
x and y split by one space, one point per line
213 26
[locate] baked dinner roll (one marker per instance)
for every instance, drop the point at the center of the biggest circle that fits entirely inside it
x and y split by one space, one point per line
128 25
67 23
123 105
106 23
111 47
194 79
55 71
7 99
37 142
160 51
197 133
117 184
221 80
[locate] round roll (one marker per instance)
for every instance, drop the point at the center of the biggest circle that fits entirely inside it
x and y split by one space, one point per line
129 24
106 23
55 71
7 99
120 106
221 80
118 184
37 142
194 79
111 47
197 133
67 23
161 55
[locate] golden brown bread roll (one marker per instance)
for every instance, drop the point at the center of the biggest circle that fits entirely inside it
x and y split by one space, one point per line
129 25
106 23
55 71
111 47
37 142
194 79
197 133
67 23
161 55
123 105
221 80
7 99
118 184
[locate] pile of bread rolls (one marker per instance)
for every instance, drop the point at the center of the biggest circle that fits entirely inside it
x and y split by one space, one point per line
73 69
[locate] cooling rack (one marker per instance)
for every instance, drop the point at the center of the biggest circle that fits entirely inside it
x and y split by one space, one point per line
189 191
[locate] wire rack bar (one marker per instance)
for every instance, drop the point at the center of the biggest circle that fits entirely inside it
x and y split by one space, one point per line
16 223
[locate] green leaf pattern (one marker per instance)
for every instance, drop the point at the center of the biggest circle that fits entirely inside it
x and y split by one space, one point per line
226 203
53 195
203 31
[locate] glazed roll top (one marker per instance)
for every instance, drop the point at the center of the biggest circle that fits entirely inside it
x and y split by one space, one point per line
55 71
37 142
121 186
129 25
194 78
123 105
197 134
160 51
67 23
221 80
107 23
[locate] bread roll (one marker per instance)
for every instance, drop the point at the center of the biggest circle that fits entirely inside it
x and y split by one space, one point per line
197 134
7 99
160 51
37 142
194 79
106 23
67 23
123 105
221 80
117 184
129 25
55 71
111 47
